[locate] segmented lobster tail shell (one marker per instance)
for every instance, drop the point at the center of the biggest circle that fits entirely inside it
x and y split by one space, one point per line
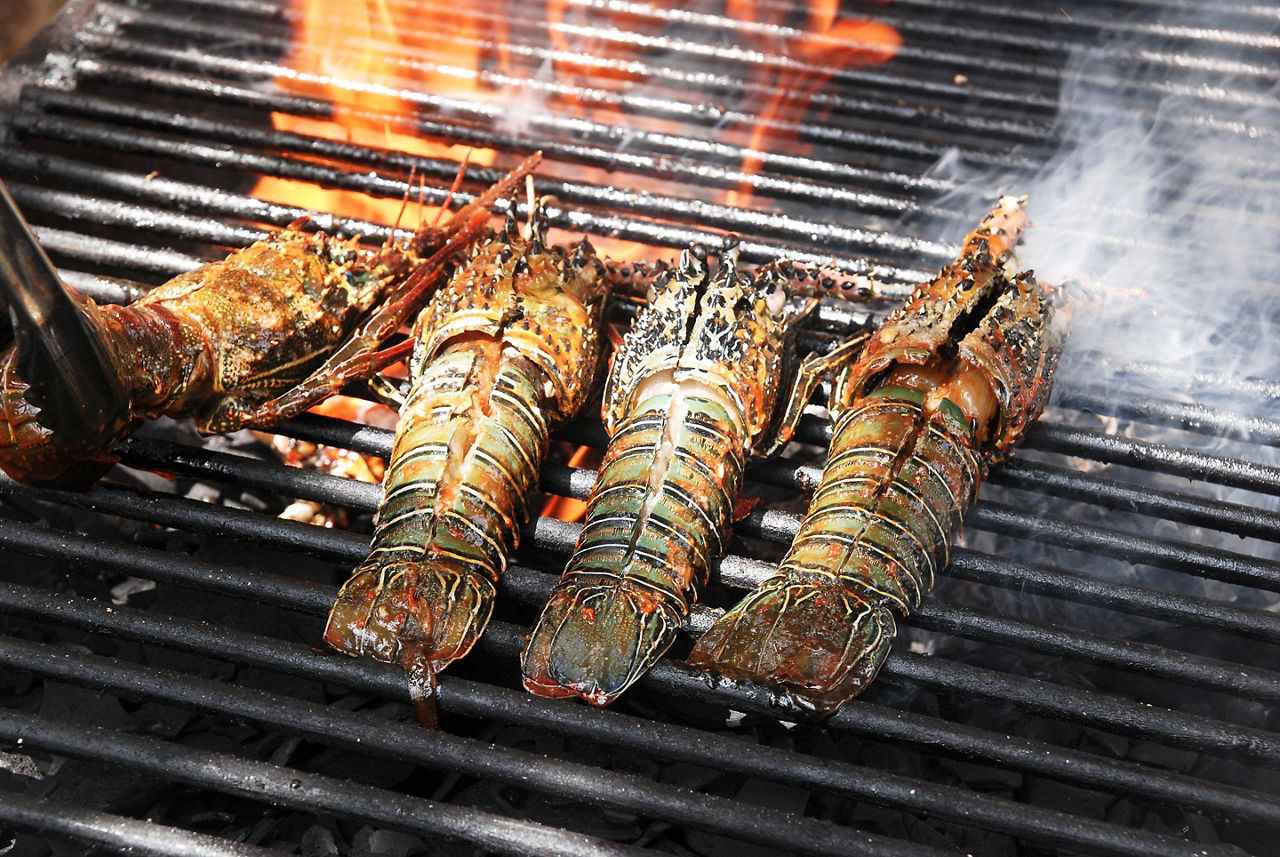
942 391
454 497
622 597
694 392
504 352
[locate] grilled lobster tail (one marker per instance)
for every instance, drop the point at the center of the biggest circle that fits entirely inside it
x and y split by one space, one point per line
506 351
693 392
945 387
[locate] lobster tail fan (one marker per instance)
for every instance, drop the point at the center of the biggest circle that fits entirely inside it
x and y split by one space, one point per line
61 355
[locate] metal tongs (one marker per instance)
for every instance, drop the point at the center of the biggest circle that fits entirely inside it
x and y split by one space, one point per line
61 355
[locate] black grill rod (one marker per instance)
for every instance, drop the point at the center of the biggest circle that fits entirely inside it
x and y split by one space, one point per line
185 196
843 194
117 832
668 740
161 262
1155 457
204 518
157 189
525 36
1073 705
1236 518
716 52
670 677
1250 18
739 572
1189 416
103 290
220 577
99 211
843 239
1042 435
781 527
440 750
629 228
1198 561
294 788
982 143
1165 376
1105 711
311 485
1253 683
1045 580
941 88
711 157
960 30
484 701
1038 478
1068 585
491 113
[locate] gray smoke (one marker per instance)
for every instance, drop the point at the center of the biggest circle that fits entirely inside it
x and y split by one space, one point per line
1162 208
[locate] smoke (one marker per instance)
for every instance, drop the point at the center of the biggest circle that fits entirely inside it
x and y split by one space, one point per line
1158 209
1161 212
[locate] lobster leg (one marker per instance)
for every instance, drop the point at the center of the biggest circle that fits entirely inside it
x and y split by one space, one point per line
806 380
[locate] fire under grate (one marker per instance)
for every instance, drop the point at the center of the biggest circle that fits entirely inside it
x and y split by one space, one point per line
1092 676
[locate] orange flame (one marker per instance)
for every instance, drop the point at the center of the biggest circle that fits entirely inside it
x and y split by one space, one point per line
362 56
826 46
367 58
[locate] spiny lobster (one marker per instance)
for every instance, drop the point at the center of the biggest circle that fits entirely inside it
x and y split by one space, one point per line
943 390
218 343
505 352
706 378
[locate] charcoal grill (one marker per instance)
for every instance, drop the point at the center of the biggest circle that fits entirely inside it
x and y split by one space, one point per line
1094 676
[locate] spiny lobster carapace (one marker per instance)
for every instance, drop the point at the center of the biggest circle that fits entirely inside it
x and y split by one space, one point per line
943 390
505 352
707 378
218 343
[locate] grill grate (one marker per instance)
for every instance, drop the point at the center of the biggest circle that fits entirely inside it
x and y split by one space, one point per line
1094 675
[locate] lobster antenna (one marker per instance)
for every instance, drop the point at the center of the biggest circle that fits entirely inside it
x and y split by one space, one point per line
60 355
528 190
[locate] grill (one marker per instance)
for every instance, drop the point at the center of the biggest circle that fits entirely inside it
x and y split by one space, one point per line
1093 676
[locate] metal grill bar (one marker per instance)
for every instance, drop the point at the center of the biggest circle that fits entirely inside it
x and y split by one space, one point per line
711 157
1235 518
435 749
1094 709
1126 598
1195 417
874 721
689 745
80 145
1159 457
290 787
574 482
268 140
103 830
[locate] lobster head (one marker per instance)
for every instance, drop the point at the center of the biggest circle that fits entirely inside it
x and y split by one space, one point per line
979 316
728 332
